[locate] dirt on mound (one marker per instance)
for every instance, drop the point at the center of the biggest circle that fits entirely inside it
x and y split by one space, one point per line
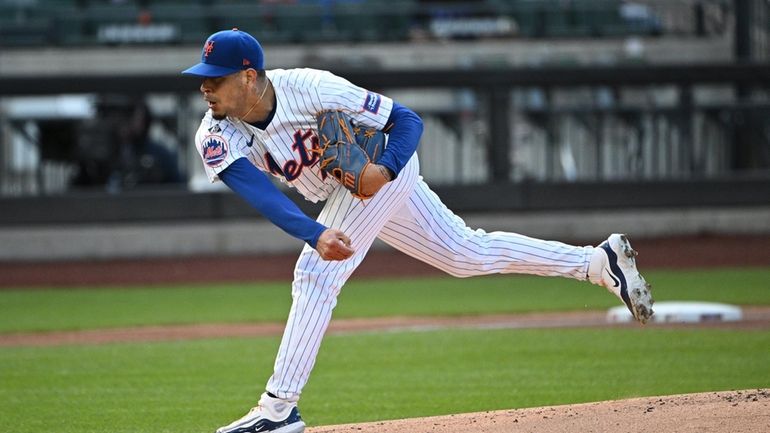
733 411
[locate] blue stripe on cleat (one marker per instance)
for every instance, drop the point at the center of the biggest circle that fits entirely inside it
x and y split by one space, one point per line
613 259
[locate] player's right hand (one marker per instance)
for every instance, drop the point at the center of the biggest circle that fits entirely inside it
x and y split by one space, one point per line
334 245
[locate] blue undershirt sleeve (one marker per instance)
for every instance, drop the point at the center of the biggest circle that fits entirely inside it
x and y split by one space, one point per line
404 128
252 185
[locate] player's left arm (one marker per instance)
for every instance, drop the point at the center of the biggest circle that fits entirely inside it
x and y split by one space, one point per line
404 128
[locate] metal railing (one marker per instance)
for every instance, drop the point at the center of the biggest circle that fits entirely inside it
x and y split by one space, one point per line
556 124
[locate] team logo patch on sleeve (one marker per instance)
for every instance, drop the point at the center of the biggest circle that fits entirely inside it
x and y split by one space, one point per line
372 102
214 150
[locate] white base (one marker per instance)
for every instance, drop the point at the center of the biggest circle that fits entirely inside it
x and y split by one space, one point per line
681 312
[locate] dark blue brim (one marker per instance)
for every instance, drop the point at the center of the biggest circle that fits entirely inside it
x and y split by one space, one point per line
207 70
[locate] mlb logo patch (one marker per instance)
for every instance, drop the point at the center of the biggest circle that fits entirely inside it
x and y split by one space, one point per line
214 150
372 102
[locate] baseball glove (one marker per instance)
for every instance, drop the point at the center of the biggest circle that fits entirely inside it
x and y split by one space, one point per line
347 151
371 140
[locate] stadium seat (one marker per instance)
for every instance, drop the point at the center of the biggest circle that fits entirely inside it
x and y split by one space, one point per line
21 23
69 26
193 20
299 23
374 20
245 15
356 21
30 32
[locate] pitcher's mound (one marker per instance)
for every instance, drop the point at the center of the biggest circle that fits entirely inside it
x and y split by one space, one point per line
730 411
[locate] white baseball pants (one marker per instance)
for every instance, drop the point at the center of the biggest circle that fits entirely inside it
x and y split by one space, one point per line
410 217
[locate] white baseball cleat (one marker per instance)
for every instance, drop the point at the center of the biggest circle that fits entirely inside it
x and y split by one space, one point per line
272 415
613 266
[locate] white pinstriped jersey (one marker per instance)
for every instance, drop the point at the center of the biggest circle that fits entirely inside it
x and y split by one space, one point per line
405 213
284 148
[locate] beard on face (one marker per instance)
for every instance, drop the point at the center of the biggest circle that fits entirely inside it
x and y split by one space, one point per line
218 116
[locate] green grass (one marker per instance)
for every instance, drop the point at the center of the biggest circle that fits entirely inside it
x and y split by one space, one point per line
85 308
195 386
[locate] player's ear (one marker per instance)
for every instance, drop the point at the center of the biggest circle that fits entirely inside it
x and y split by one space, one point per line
250 77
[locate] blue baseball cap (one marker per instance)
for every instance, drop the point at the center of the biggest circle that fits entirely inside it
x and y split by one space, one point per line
227 52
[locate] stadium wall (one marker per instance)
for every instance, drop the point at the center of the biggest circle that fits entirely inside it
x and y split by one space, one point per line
124 240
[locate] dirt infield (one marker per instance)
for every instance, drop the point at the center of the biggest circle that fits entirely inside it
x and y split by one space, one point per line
673 252
754 318
735 412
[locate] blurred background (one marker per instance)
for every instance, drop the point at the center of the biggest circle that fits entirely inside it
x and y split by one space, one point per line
563 119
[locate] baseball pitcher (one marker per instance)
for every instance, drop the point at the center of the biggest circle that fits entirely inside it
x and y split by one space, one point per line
354 149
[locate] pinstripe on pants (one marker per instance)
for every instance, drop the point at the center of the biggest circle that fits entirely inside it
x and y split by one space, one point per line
410 217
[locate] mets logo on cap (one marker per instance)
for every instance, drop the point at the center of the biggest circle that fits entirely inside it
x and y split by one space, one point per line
208 48
214 150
